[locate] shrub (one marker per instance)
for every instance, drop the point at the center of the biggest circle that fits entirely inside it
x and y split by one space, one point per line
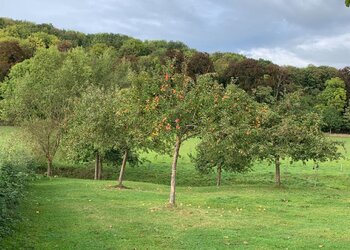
12 182
17 163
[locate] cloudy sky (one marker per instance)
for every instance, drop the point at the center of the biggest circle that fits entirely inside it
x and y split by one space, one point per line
293 32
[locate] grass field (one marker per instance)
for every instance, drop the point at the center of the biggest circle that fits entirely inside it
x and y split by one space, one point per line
310 211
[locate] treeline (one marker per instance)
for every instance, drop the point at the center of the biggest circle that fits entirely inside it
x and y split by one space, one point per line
20 40
109 102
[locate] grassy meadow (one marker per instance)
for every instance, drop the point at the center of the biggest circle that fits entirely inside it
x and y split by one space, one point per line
311 210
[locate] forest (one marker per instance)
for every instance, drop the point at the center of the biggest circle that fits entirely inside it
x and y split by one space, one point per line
259 78
112 100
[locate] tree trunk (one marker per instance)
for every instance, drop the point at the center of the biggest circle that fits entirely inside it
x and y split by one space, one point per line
97 166
122 169
49 167
218 178
173 171
100 169
278 171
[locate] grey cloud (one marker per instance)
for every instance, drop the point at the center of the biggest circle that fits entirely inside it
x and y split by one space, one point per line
287 29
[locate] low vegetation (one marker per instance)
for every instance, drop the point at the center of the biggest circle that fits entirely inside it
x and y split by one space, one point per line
16 169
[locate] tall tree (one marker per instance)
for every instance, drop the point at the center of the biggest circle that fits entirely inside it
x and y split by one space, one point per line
10 54
92 126
312 78
222 61
332 101
38 93
199 64
133 47
344 74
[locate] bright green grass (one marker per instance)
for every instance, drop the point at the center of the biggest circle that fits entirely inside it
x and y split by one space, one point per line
85 214
156 169
310 211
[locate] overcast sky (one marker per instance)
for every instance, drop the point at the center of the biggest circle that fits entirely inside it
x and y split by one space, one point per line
293 32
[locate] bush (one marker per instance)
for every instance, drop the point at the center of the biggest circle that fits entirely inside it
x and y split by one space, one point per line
17 163
12 183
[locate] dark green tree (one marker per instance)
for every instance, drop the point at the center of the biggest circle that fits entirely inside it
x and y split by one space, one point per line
199 64
10 54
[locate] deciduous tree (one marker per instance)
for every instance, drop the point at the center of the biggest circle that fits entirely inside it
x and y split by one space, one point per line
332 101
10 54
292 132
179 105
38 92
91 128
199 64
229 139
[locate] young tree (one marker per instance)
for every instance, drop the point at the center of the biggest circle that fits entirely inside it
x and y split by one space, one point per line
91 127
292 132
179 106
133 124
108 118
229 138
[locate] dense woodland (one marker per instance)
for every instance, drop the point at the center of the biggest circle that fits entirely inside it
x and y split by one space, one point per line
20 40
106 97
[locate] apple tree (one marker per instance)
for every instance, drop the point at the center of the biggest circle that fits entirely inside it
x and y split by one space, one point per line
294 133
230 137
179 107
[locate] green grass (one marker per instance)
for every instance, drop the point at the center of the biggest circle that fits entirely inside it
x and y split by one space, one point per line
84 214
310 211
156 169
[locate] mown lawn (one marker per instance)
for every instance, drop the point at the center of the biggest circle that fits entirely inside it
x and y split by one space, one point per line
84 214
156 168
311 210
